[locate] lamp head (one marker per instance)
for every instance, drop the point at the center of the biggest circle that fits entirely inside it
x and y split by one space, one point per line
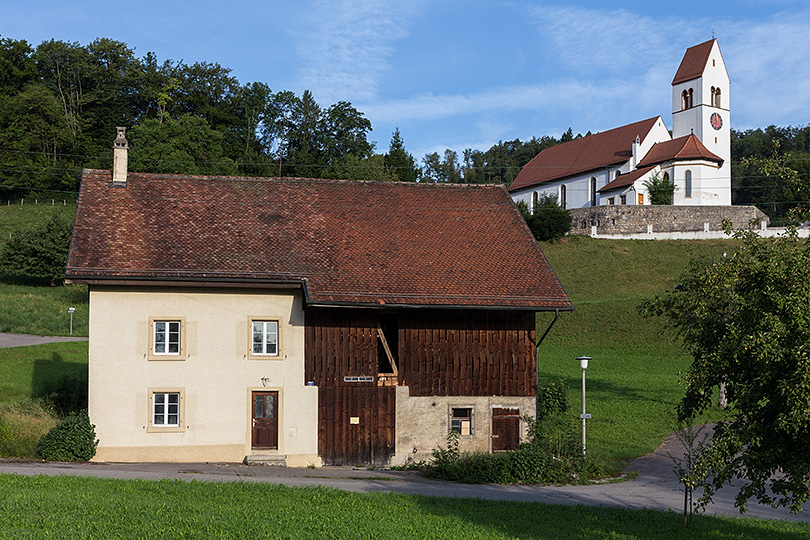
583 362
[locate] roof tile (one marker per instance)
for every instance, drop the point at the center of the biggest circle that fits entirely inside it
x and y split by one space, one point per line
348 242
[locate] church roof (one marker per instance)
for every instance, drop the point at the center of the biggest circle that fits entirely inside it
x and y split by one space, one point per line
342 242
694 62
683 148
625 180
589 153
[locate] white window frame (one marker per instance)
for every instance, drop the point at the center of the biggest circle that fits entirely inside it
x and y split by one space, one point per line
165 403
165 323
264 322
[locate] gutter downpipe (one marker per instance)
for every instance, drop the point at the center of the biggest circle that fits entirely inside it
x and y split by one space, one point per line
537 361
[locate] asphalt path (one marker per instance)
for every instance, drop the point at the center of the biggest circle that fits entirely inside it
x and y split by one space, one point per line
652 482
23 340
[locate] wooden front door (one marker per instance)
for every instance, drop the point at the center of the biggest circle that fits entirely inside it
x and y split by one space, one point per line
505 429
265 419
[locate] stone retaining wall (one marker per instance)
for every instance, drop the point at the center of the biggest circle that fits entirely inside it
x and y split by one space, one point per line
630 219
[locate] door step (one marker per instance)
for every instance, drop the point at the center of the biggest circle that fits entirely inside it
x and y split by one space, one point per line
273 460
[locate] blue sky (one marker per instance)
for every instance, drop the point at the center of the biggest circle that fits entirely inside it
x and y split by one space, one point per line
464 73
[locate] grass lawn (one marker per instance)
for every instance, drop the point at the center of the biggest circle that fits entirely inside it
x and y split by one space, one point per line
43 311
75 507
632 381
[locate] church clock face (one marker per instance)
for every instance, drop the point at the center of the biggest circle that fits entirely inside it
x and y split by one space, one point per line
716 121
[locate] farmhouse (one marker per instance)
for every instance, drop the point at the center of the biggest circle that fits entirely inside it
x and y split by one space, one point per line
305 322
611 168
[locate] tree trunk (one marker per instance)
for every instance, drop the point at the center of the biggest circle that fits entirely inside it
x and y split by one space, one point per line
722 399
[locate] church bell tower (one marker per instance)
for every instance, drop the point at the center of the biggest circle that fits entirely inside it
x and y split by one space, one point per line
700 106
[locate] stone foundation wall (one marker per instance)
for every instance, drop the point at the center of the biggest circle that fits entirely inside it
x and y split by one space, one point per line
629 219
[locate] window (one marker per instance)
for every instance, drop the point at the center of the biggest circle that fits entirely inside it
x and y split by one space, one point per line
563 201
461 421
715 97
610 200
686 99
687 181
166 410
167 339
534 202
640 198
264 338
623 199
593 190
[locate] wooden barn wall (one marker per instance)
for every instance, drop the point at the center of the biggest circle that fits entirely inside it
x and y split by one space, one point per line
356 425
474 353
439 352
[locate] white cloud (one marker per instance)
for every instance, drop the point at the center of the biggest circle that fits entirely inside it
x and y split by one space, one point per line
343 46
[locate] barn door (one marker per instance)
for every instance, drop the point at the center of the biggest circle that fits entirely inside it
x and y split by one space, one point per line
356 425
505 429
265 420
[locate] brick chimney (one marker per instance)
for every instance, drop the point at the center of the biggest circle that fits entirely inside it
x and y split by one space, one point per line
120 149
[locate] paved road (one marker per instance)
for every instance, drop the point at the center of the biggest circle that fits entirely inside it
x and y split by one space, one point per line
655 486
22 340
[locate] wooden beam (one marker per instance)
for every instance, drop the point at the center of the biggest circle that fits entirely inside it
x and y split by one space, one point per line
384 341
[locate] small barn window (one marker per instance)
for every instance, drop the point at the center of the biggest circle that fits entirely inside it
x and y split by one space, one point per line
461 421
387 344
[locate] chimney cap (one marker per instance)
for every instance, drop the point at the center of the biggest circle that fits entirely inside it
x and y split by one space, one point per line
120 140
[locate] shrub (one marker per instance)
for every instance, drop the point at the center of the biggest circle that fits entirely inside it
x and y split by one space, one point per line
552 397
548 221
74 439
39 253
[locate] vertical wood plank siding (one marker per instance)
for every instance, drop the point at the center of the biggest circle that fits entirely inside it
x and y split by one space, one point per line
370 440
440 352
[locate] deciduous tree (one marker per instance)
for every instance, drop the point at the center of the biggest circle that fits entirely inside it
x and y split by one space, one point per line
745 319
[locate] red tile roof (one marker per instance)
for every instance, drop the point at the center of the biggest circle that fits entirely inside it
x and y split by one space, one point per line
694 62
683 148
345 242
625 180
589 153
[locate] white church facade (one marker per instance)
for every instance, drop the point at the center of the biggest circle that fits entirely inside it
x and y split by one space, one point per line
611 167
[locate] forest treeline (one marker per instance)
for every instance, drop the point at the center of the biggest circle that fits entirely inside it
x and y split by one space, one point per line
60 103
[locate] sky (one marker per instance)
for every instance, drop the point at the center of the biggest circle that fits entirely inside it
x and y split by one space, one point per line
464 73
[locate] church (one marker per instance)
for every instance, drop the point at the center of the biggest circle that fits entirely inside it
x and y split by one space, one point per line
611 167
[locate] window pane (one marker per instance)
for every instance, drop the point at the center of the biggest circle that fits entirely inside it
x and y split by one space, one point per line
173 420
259 407
270 406
160 337
271 339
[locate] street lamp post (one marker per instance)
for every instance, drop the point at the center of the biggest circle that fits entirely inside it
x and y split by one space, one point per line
583 364
71 310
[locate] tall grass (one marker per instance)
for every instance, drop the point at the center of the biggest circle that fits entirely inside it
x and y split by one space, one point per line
22 424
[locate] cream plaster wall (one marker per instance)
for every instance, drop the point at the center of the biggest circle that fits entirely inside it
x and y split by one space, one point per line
424 422
216 376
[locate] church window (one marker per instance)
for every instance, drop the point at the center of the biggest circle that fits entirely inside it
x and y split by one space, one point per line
534 202
563 202
717 98
684 97
689 99
687 181
593 191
